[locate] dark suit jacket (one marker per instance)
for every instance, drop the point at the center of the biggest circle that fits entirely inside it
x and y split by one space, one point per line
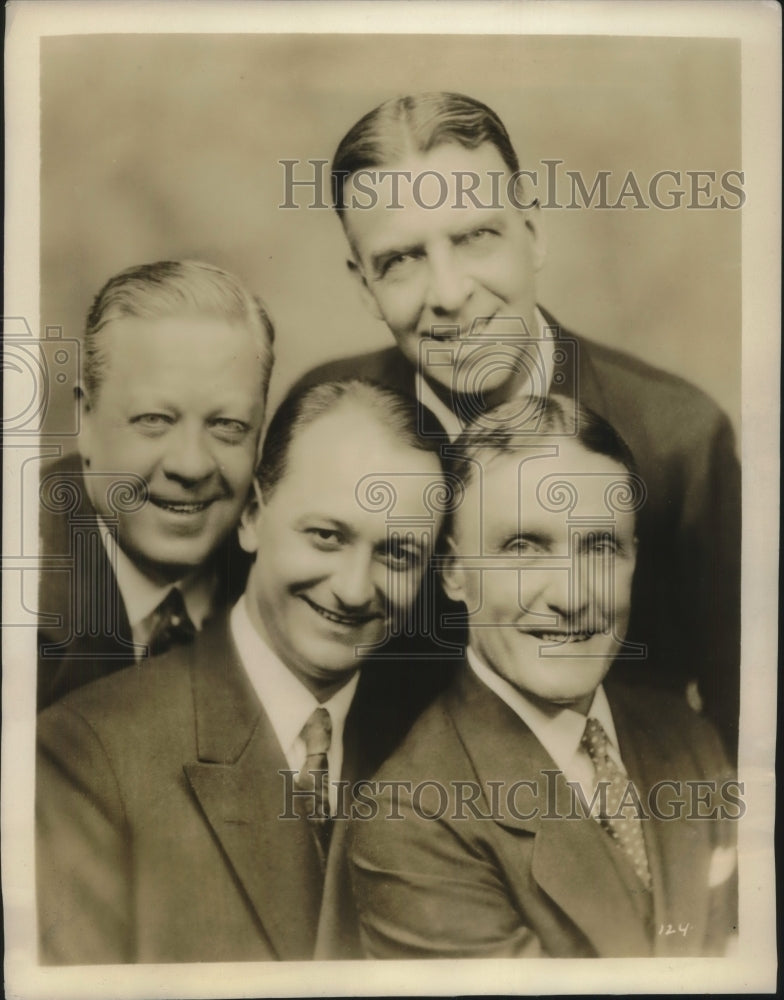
686 599
507 881
84 632
158 797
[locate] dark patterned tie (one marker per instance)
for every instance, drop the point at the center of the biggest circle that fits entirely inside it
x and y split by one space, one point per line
314 775
626 828
170 624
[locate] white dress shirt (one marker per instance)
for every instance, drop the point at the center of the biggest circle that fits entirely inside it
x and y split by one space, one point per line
561 732
447 418
141 597
286 700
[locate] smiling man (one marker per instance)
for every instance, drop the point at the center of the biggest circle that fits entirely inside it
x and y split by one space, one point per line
446 240
178 357
191 809
540 811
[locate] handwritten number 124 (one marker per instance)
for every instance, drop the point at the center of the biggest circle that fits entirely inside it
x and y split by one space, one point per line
669 929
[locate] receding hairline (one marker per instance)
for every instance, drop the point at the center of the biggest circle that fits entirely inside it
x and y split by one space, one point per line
190 313
372 412
237 326
174 289
394 414
518 451
479 460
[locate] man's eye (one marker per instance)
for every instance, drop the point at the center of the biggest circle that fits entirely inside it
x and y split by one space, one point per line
601 544
152 421
398 262
229 430
522 547
324 538
402 556
477 236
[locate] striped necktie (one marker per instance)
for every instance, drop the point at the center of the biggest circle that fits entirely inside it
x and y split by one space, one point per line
624 828
314 774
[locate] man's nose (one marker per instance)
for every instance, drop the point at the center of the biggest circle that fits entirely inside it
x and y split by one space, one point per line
567 590
189 456
352 582
449 285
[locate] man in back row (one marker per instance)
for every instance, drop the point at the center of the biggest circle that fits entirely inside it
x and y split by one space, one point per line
184 805
178 358
457 288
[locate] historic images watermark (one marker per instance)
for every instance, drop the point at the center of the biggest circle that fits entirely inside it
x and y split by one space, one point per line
540 798
665 189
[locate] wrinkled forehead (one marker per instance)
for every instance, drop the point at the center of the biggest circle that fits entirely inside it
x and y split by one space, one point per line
215 337
559 483
347 459
446 184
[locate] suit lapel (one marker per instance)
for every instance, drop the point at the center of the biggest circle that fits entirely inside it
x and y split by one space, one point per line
678 851
235 779
576 376
368 736
572 860
89 634
573 864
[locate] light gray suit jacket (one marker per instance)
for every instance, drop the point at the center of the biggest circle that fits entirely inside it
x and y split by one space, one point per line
446 880
158 803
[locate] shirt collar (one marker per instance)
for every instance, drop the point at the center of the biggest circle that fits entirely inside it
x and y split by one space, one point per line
286 700
141 596
447 418
560 733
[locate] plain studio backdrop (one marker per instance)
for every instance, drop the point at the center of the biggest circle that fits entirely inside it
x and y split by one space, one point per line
169 146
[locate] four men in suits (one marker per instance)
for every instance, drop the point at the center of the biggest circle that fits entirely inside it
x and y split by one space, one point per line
193 808
137 530
446 243
532 811
185 804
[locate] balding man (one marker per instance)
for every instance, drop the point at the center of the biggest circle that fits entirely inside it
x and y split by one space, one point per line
194 808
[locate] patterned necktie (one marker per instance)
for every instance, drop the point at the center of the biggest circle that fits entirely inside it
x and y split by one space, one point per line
170 624
626 830
314 775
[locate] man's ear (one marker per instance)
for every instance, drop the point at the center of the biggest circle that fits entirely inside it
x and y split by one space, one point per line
526 202
84 412
368 298
452 574
253 511
534 225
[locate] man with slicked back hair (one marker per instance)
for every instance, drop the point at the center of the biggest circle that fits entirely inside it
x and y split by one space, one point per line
138 527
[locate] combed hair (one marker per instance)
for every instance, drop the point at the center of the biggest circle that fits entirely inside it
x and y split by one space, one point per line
398 414
417 123
505 430
171 288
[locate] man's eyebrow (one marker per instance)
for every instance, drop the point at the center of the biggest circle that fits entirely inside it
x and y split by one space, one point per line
479 221
324 520
235 411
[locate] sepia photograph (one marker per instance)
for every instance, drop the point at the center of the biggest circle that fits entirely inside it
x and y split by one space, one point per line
390 486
